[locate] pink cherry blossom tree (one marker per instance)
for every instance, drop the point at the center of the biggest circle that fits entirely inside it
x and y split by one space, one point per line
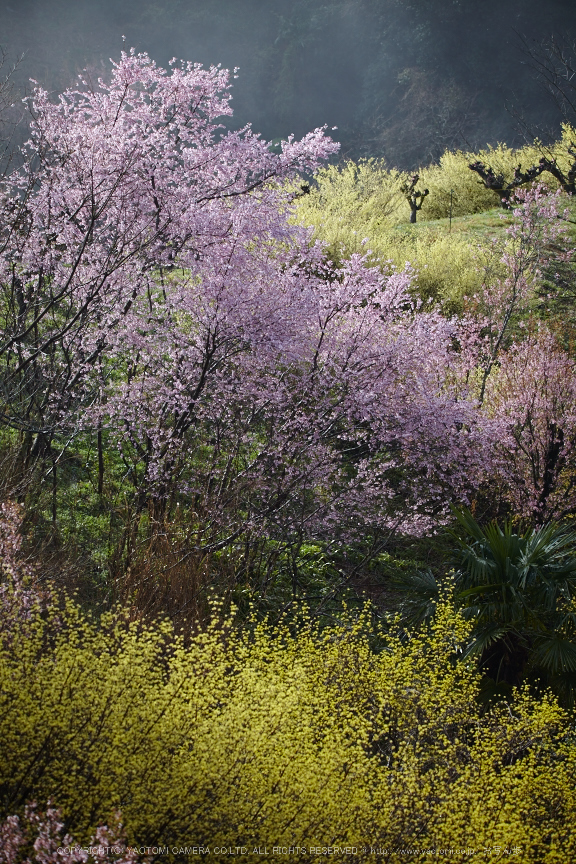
508 293
40 836
518 371
154 291
292 400
533 396
117 182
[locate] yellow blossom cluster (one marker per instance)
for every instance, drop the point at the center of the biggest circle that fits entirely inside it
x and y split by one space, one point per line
281 737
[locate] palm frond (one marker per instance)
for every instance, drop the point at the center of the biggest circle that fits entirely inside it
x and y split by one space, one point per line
555 653
421 593
518 589
483 637
468 523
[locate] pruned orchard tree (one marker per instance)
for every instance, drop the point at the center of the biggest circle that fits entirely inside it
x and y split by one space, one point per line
155 294
553 60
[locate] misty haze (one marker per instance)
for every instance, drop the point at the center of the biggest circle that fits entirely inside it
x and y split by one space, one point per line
401 79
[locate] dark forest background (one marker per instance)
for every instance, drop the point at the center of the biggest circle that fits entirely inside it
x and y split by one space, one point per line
401 79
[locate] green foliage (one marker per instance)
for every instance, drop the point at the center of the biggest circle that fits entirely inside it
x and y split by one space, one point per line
518 592
279 737
519 589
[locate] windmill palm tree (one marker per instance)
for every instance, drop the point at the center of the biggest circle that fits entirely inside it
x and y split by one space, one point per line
519 589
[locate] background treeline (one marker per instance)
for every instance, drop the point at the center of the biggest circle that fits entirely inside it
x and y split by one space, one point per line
402 79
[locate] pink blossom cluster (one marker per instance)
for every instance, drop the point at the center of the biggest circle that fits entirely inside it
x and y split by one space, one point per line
527 377
534 398
39 838
20 592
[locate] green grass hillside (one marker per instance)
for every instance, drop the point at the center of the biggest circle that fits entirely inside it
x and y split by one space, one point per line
460 229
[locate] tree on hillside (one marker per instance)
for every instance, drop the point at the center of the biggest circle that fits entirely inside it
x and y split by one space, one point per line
413 196
505 188
116 185
533 395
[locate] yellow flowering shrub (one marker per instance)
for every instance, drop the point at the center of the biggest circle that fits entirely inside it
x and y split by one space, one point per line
469 195
280 737
365 194
359 208
357 200
562 151
447 266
